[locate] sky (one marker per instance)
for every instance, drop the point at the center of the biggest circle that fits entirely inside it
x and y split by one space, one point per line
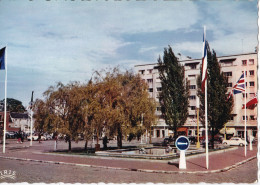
50 41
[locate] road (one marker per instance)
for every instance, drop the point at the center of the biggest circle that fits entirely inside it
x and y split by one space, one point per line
33 172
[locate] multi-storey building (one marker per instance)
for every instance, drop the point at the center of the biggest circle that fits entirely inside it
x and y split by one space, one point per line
232 66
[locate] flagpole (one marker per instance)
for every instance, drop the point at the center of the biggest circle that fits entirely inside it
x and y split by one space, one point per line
245 111
206 97
206 125
5 100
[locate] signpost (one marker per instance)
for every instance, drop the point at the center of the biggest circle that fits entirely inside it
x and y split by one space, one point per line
182 143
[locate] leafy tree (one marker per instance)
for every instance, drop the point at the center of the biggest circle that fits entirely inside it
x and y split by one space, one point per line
125 99
65 105
219 107
14 105
174 95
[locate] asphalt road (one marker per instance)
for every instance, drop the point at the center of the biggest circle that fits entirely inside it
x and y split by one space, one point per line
35 172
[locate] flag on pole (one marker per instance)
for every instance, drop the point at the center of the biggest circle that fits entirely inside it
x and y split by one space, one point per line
2 59
204 62
240 85
204 89
251 104
238 88
3 66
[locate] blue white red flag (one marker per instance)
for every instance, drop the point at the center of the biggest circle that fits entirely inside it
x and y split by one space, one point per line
2 59
204 62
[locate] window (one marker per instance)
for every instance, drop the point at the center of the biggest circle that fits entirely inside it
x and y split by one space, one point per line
251 84
150 71
245 72
232 118
150 89
191 76
141 71
158 108
193 66
193 97
150 80
230 85
244 117
228 73
251 72
244 95
244 62
159 89
192 107
191 116
252 117
251 95
251 61
192 86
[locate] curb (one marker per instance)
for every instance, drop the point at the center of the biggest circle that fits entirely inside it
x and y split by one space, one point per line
138 170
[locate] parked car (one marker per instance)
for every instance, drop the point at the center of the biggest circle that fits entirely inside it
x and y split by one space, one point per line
10 135
234 141
35 138
168 140
48 136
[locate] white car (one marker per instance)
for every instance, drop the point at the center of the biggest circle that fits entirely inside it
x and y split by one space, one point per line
35 138
234 141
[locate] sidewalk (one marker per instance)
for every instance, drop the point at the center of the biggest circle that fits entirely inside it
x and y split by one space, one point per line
218 161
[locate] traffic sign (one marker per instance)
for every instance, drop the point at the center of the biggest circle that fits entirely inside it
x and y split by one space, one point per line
182 143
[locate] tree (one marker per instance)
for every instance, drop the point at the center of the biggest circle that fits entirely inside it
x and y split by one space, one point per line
219 106
14 105
174 95
124 100
65 103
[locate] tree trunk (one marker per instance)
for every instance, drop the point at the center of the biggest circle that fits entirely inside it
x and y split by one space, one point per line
86 145
69 140
175 134
212 138
119 138
97 136
150 137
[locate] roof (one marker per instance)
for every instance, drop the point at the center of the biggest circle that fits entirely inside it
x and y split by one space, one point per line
19 115
190 60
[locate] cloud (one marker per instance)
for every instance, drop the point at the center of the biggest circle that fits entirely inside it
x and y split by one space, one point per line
63 40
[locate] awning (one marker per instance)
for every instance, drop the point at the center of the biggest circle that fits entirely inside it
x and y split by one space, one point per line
182 129
228 131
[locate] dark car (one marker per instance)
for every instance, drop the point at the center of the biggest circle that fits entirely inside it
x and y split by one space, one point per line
168 140
10 135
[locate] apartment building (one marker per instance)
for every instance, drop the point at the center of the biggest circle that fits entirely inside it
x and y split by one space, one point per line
232 66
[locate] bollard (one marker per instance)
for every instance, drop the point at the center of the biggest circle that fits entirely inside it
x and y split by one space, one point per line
182 161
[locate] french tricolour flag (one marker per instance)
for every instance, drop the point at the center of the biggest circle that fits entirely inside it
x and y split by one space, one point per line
204 62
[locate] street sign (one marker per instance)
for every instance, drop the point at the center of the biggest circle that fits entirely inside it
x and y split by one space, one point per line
182 143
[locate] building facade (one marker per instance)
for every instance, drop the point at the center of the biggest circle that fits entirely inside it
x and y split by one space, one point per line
232 66
20 121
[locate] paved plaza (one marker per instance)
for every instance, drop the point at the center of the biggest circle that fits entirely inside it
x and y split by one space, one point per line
228 161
